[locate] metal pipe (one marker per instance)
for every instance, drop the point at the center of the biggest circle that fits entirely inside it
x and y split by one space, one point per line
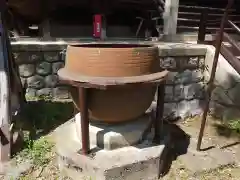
232 42
213 72
83 103
234 26
235 63
209 8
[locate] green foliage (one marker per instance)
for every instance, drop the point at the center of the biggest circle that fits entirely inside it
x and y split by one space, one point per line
234 125
40 116
39 151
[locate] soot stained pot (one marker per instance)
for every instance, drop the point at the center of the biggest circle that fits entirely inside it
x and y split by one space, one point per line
117 104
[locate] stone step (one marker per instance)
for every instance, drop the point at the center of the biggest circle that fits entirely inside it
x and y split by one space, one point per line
200 161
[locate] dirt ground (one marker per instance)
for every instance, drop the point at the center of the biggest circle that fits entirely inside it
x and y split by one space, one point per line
44 167
177 171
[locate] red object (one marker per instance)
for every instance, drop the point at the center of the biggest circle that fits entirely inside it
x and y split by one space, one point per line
97 25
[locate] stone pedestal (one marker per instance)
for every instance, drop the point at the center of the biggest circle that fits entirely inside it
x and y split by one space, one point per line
111 137
127 151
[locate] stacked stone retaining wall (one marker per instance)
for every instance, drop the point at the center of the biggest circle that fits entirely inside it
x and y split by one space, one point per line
38 68
225 100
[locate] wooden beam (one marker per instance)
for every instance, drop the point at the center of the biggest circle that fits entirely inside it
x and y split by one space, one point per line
5 115
170 17
45 30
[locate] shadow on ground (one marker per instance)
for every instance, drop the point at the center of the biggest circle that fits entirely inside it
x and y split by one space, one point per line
227 131
41 117
226 120
176 146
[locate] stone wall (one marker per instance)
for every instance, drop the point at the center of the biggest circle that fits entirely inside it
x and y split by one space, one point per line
185 85
38 65
225 100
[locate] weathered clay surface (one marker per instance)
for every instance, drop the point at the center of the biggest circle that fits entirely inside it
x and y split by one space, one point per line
112 60
118 104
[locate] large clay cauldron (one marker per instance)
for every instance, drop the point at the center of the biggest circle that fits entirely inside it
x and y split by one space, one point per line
117 104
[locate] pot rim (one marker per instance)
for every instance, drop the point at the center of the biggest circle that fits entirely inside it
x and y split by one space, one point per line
64 73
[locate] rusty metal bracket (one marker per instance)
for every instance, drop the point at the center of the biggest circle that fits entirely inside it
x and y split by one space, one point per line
213 72
85 82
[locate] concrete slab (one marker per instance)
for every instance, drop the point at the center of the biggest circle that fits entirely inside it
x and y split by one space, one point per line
140 162
199 161
13 170
111 137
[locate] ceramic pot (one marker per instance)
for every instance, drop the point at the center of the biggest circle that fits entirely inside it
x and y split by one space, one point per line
118 104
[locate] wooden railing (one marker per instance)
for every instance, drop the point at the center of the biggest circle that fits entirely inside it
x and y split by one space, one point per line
231 51
206 22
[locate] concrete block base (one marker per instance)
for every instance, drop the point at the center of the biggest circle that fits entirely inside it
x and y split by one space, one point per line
139 162
115 136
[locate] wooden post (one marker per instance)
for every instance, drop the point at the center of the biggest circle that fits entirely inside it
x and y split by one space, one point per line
202 26
45 30
104 28
170 17
5 115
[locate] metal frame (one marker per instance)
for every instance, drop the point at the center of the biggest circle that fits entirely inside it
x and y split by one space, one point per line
83 99
83 88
